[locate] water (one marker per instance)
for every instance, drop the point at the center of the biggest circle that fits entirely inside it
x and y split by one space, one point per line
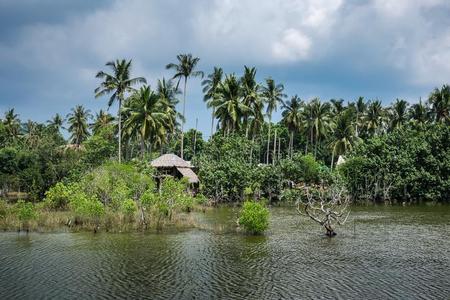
381 253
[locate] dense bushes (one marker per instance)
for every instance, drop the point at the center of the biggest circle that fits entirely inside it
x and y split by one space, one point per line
411 164
254 217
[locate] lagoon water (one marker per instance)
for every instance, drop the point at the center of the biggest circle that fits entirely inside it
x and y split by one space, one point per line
382 252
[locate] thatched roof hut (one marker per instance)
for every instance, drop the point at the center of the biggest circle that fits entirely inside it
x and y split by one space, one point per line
174 165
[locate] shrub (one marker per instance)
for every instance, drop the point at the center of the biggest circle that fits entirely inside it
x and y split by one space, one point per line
3 208
129 207
254 217
25 211
58 196
86 206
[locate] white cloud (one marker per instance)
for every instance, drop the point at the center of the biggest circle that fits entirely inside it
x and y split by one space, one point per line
293 46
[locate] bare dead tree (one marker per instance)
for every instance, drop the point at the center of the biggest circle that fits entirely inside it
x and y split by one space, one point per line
326 206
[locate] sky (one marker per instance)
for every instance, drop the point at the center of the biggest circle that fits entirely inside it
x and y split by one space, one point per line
50 50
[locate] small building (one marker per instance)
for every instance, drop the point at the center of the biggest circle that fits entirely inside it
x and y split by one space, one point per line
173 165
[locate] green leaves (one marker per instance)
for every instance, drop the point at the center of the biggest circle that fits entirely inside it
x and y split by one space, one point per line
254 217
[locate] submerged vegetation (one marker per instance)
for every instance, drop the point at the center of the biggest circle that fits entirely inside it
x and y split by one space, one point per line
100 176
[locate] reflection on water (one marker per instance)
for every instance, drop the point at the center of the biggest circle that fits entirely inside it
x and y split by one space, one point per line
382 252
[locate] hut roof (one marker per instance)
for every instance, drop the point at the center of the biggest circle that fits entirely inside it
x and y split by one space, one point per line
189 174
170 160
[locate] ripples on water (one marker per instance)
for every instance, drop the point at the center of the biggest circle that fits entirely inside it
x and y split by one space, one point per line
381 253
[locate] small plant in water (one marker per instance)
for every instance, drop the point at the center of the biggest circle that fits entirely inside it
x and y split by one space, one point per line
254 217
25 213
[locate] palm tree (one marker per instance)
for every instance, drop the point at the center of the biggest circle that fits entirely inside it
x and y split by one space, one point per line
102 120
399 112
210 89
273 94
118 83
78 124
343 138
12 123
250 97
361 107
374 117
320 120
184 69
147 116
229 107
440 104
56 123
293 118
337 106
419 112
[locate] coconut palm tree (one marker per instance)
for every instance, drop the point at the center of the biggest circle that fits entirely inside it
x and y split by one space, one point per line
102 120
398 113
78 124
361 107
419 112
320 120
273 94
12 124
440 104
167 91
337 106
229 105
292 117
147 116
250 96
343 138
210 89
184 70
374 117
56 123
117 84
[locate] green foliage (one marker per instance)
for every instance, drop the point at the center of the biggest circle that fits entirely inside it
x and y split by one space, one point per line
411 164
129 207
86 206
100 147
302 168
254 217
58 196
3 208
25 211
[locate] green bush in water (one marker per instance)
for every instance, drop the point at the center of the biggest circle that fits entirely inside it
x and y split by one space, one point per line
3 208
25 212
254 217
86 206
58 196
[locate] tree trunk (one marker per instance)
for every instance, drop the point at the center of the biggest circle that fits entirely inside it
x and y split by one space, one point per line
279 149
212 121
142 146
184 118
274 147
291 144
332 159
120 128
268 141
251 148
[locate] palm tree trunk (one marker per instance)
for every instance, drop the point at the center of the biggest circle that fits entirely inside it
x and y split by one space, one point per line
274 148
142 146
184 118
291 144
332 159
279 149
120 128
251 148
268 142
212 121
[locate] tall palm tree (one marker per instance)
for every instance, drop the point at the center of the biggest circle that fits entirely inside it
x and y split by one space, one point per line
184 70
361 107
273 94
419 112
293 119
147 116
250 96
12 124
56 123
399 113
229 105
117 84
102 120
343 138
320 120
440 104
78 124
374 117
210 89
337 106
167 91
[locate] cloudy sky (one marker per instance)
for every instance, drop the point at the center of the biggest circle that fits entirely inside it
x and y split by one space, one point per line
50 50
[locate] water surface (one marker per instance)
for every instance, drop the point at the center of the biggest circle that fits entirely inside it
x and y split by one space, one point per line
381 253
